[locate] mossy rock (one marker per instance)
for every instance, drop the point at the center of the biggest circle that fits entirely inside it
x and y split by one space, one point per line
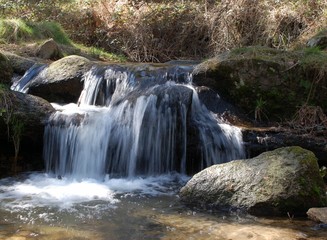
278 182
61 81
6 71
262 79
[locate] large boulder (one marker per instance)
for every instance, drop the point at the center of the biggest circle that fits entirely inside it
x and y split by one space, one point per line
6 70
22 117
279 182
268 84
61 81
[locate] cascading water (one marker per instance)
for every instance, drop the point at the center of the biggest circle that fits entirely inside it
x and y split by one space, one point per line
129 122
146 122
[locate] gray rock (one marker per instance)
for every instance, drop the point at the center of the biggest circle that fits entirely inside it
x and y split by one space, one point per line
318 214
282 181
61 81
49 50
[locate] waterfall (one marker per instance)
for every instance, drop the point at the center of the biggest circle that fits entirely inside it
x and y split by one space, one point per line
30 74
137 121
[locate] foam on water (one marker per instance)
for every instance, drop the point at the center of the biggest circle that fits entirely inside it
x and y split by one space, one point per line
40 190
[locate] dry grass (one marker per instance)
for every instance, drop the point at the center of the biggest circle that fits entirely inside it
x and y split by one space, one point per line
161 30
309 119
164 30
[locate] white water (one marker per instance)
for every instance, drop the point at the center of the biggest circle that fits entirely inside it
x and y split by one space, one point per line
128 123
41 190
141 128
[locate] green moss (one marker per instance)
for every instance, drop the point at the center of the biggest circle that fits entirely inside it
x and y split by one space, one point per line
101 53
285 80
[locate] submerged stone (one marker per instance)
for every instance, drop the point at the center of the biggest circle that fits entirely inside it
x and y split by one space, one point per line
280 182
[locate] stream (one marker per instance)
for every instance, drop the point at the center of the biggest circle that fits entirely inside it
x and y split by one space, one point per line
116 159
40 206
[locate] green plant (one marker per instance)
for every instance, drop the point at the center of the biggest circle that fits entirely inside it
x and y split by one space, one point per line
259 110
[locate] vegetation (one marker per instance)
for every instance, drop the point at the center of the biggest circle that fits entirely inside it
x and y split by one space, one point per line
17 30
161 30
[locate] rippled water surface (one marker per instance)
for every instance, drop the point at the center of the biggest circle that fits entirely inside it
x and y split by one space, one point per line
39 206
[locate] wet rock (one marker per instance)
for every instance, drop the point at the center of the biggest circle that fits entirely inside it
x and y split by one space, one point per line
29 113
49 50
318 214
221 108
61 81
280 182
